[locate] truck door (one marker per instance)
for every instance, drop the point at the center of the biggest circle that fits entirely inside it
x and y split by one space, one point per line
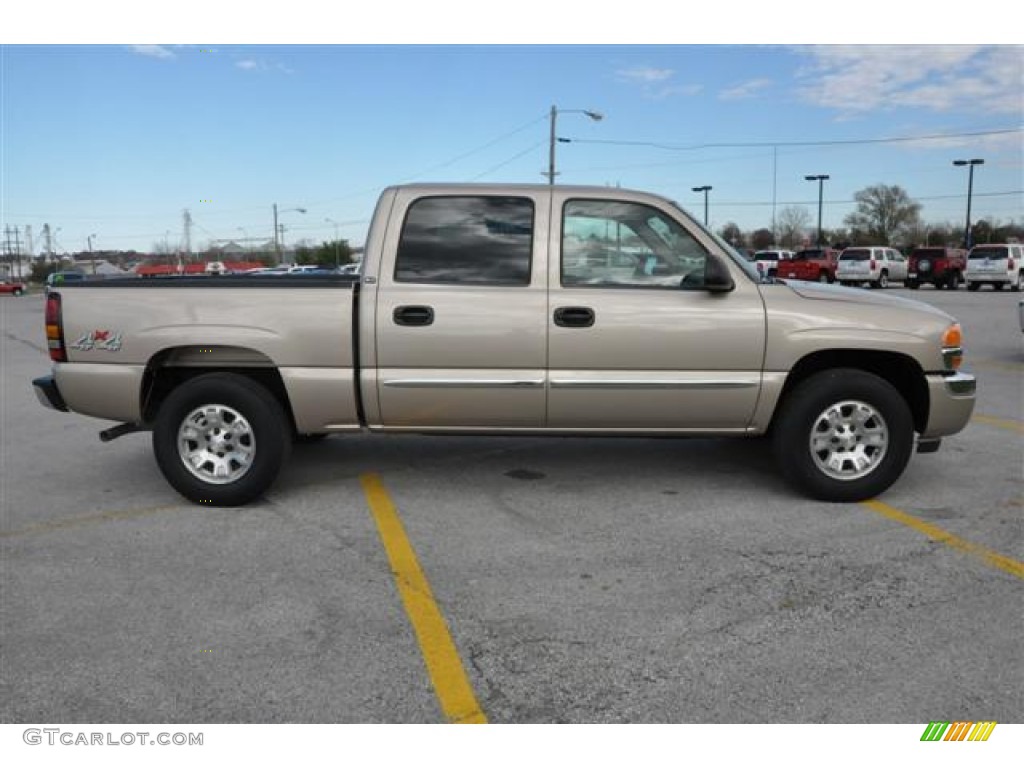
461 332
635 342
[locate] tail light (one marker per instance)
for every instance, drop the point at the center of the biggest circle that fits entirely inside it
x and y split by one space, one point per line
55 329
1009 263
873 265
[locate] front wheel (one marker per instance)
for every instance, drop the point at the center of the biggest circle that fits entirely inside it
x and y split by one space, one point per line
1018 284
221 439
843 435
18 292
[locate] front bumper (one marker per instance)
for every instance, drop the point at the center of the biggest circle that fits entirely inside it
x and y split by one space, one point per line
48 394
951 397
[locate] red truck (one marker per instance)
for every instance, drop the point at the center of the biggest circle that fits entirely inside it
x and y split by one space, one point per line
942 267
814 264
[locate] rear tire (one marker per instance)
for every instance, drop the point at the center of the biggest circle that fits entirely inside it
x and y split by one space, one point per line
1018 283
912 285
221 439
973 286
843 435
18 292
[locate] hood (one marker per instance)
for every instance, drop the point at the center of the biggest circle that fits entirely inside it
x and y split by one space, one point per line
878 298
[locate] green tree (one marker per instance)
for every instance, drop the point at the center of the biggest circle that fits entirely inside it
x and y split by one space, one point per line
884 213
333 253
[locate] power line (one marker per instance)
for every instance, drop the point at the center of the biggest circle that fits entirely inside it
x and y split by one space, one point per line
829 143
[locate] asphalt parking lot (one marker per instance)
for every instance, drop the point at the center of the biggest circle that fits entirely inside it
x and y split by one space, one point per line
579 580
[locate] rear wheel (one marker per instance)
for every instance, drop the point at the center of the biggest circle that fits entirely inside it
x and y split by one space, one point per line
882 281
823 277
221 439
843 435
912 285
973 286
1018 284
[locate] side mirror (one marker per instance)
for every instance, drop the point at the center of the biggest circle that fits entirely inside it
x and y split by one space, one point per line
717 278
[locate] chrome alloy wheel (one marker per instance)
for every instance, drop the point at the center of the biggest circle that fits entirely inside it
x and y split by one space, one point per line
216 444
848 440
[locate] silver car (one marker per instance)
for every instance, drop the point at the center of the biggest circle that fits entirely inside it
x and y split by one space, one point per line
876 265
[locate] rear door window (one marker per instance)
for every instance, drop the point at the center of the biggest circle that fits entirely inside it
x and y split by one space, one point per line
479 240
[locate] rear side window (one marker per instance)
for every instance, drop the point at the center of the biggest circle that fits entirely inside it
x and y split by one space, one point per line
988 252
466 240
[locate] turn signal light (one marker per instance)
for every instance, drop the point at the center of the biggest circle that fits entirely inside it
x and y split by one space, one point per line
952 347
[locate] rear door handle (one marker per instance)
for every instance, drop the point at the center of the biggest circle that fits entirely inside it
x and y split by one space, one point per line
574 317
414 315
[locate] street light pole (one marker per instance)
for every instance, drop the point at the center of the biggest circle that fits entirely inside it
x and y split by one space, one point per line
553 139
92 261
705 189
970 188
337 255
821 179
277 238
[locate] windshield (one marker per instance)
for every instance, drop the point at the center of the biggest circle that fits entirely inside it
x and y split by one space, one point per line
767 255
855 254
988 252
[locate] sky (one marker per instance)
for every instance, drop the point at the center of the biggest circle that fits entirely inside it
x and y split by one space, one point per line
116 133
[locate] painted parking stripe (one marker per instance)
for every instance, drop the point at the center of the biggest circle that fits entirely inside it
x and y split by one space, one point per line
1011 424
989 556
451 684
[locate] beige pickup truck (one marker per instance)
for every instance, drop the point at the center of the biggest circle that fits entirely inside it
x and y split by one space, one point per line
503 310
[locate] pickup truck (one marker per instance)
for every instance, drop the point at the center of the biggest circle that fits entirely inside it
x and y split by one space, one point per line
817 265
511 310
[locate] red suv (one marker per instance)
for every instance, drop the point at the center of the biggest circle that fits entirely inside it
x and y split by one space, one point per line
942 267
12 286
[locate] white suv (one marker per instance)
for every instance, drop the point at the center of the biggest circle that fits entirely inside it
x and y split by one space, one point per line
767 262
876 265
995 265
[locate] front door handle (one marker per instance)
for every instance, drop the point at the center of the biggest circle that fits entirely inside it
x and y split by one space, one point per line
574 317
413 315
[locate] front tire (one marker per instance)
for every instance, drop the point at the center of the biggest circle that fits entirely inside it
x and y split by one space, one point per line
843 435
221 439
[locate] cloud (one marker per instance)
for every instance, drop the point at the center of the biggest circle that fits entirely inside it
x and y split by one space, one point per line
156 51
747 90
644 75
855 80
656 83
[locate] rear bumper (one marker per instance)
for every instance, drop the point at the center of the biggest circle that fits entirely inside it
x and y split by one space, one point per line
952 399
48 394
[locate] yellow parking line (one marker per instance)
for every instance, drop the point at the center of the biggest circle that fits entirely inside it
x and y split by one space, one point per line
989 556
451 684
76 522
1011 424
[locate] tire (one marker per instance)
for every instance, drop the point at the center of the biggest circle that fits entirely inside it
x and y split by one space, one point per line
953 281
882 281
235 433
1018 284
843 435
823 277
973 286
18 292
912 285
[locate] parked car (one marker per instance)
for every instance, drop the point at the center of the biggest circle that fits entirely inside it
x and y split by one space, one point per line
767 262
58 278
12 286
814 264
996 265
876 265
942 267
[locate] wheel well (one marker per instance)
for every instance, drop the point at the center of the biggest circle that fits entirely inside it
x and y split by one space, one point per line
901 371
163 375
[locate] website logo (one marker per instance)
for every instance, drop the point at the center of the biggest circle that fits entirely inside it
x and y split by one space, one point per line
959 731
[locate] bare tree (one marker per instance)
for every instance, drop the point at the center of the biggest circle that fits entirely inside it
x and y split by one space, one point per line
884 213
791 223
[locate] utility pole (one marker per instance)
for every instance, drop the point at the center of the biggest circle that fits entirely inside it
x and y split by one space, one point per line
48 240
188 234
